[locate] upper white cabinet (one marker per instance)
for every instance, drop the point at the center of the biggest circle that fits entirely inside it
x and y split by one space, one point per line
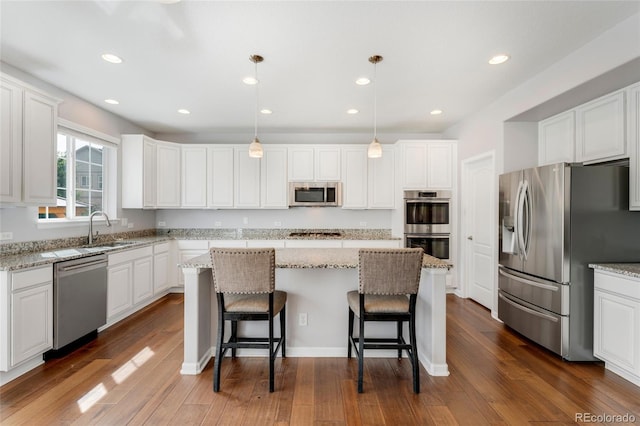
29 121
273 179
600 128
381 180
150 173
247 179
220 176
367 183
314 163
556 139
427 164
194 176
633 135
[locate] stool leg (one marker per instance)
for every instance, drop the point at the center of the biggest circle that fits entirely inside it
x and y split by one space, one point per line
271 355
414 354
218 360
399 325
234 337
361 355
283 316
350 334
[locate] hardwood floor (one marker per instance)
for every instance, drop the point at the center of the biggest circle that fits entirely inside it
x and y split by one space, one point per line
130 375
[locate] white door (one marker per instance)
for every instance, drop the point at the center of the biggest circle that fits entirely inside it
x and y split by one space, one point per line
478 213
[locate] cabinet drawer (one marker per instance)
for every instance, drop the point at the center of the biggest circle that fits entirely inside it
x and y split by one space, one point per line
24 279
613 283
130 255
161 248
193 245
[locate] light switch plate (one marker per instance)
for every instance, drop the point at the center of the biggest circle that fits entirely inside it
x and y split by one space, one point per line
4 236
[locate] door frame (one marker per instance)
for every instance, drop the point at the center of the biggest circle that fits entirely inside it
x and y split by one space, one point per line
465 257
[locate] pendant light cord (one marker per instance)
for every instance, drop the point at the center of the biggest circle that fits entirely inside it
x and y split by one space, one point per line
255 123
375 100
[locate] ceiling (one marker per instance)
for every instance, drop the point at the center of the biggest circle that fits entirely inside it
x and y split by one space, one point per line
194 55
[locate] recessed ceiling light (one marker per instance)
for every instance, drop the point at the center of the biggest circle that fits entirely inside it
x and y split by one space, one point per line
184 111
250 81
110 57
111 101
499 59
266 111
363 81
352 111
436 112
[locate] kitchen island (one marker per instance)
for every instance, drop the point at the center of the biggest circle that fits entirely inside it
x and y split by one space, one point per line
317 281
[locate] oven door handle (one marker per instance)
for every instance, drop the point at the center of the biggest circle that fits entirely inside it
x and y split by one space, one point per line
434 235
427 200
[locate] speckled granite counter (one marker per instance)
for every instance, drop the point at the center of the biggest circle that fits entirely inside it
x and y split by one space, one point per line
316 282
323 258
627 269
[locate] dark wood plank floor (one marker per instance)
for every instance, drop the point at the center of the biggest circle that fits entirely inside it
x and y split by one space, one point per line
130 375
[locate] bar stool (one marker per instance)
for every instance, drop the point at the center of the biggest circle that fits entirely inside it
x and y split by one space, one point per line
244 282
387 291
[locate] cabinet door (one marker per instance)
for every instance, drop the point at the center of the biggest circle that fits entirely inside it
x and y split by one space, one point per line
168 175
142 279
40 121
633 132
274 184
556 139
247 179
414 165
600 128
381 180
354 177
194 176
313 243
149 167
31 322
327 163
300 164
220 177
612 342
119 283
440 165
160 272
10 143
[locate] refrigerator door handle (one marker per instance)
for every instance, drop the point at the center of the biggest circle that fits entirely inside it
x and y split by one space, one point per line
528 310
526 281
527 219
519 213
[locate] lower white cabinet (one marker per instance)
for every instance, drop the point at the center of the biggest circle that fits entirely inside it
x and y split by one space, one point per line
616 334
161 274
129 280
313 243
371 243
26 303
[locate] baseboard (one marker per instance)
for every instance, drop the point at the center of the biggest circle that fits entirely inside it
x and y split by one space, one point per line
14 373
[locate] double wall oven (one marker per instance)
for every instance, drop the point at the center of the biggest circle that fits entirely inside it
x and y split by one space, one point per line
427 222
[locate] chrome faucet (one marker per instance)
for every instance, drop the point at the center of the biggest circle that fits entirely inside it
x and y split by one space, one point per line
91 236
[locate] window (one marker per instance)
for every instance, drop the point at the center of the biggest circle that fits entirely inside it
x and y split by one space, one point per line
84 161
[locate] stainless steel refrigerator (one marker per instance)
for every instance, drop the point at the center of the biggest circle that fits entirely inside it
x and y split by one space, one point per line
554 221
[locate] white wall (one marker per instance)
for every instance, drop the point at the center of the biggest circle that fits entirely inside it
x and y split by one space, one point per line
295 217
22 221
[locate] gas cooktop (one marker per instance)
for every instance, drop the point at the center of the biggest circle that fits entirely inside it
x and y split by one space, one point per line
315 234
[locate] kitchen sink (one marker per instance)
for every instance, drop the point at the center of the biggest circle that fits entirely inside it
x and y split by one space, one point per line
111 244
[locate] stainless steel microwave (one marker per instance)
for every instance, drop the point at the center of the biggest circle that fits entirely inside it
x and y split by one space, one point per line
315 194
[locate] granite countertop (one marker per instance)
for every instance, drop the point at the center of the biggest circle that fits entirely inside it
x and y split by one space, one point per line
309 258
626 269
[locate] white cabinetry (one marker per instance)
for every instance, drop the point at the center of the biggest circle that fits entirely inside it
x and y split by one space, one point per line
368 182
247 179
556 139
26 303
150 173
220 177
29 121
633 135
273 181
194 176
129 281
314 163
427 164
161 274
616 334
313 243
600 128
371 243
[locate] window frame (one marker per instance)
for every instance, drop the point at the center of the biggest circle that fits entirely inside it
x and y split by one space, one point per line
108 183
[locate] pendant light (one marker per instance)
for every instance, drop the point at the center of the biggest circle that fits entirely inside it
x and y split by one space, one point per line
255 148
375 149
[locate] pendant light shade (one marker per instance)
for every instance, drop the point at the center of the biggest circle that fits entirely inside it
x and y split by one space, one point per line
375 149
255 148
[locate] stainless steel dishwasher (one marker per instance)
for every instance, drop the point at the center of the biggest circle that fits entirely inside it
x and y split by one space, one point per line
79 298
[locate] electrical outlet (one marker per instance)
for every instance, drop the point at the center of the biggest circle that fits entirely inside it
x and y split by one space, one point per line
130 226
162 223
302 319
218 223
124 221
363 224
6 236
277 223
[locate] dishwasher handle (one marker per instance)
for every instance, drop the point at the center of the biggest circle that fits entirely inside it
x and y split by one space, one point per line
62 270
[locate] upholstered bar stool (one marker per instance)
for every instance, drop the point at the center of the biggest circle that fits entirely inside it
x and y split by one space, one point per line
244 282
387 291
